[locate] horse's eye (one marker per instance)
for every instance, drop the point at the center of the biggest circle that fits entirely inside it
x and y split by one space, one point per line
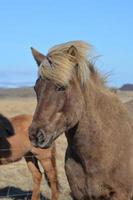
60 88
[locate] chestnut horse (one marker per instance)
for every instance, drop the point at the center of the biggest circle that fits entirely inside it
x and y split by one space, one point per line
15 144
72 97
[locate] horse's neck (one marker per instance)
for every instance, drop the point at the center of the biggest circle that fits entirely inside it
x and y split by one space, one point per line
88 126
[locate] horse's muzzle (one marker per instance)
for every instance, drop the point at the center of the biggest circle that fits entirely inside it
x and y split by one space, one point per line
39 138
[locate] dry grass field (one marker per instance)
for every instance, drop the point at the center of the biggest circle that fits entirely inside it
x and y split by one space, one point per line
15 179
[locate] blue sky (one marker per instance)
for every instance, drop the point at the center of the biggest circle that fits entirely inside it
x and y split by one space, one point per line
107 25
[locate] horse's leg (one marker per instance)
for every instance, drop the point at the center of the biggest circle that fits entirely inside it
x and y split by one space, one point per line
75 176
49 167
32 164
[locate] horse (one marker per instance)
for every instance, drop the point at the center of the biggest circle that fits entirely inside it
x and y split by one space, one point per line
15 144
73 97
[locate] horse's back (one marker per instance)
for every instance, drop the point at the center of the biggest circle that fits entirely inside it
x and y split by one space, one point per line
21 118
21 123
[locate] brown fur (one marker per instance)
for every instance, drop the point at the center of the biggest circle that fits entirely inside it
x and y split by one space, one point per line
16 146
99 157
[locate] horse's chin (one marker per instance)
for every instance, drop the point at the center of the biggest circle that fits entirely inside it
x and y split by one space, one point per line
44 144
56 135
49 140
43 140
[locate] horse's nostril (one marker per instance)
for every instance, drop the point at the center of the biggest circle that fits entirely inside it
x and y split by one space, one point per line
32 134
41 136
37 136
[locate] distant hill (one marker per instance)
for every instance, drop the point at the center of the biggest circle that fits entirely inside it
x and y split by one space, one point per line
17 92
128 87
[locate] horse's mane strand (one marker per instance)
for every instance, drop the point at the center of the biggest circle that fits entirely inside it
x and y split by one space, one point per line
64 65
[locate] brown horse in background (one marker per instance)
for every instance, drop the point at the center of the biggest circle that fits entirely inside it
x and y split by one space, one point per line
72 97
15 144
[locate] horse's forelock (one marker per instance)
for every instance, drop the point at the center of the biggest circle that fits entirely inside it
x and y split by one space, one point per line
64 65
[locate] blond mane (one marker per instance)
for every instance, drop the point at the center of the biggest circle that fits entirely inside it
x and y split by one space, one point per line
65 65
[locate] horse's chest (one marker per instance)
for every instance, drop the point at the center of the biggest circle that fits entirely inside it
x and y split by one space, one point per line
75 173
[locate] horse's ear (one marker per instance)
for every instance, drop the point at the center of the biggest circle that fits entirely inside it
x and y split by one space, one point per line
37 56
73 51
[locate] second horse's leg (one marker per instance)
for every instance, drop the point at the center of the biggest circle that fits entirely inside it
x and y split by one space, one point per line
49 166
32 164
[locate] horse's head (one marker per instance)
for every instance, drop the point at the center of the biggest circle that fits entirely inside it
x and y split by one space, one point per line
59 92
